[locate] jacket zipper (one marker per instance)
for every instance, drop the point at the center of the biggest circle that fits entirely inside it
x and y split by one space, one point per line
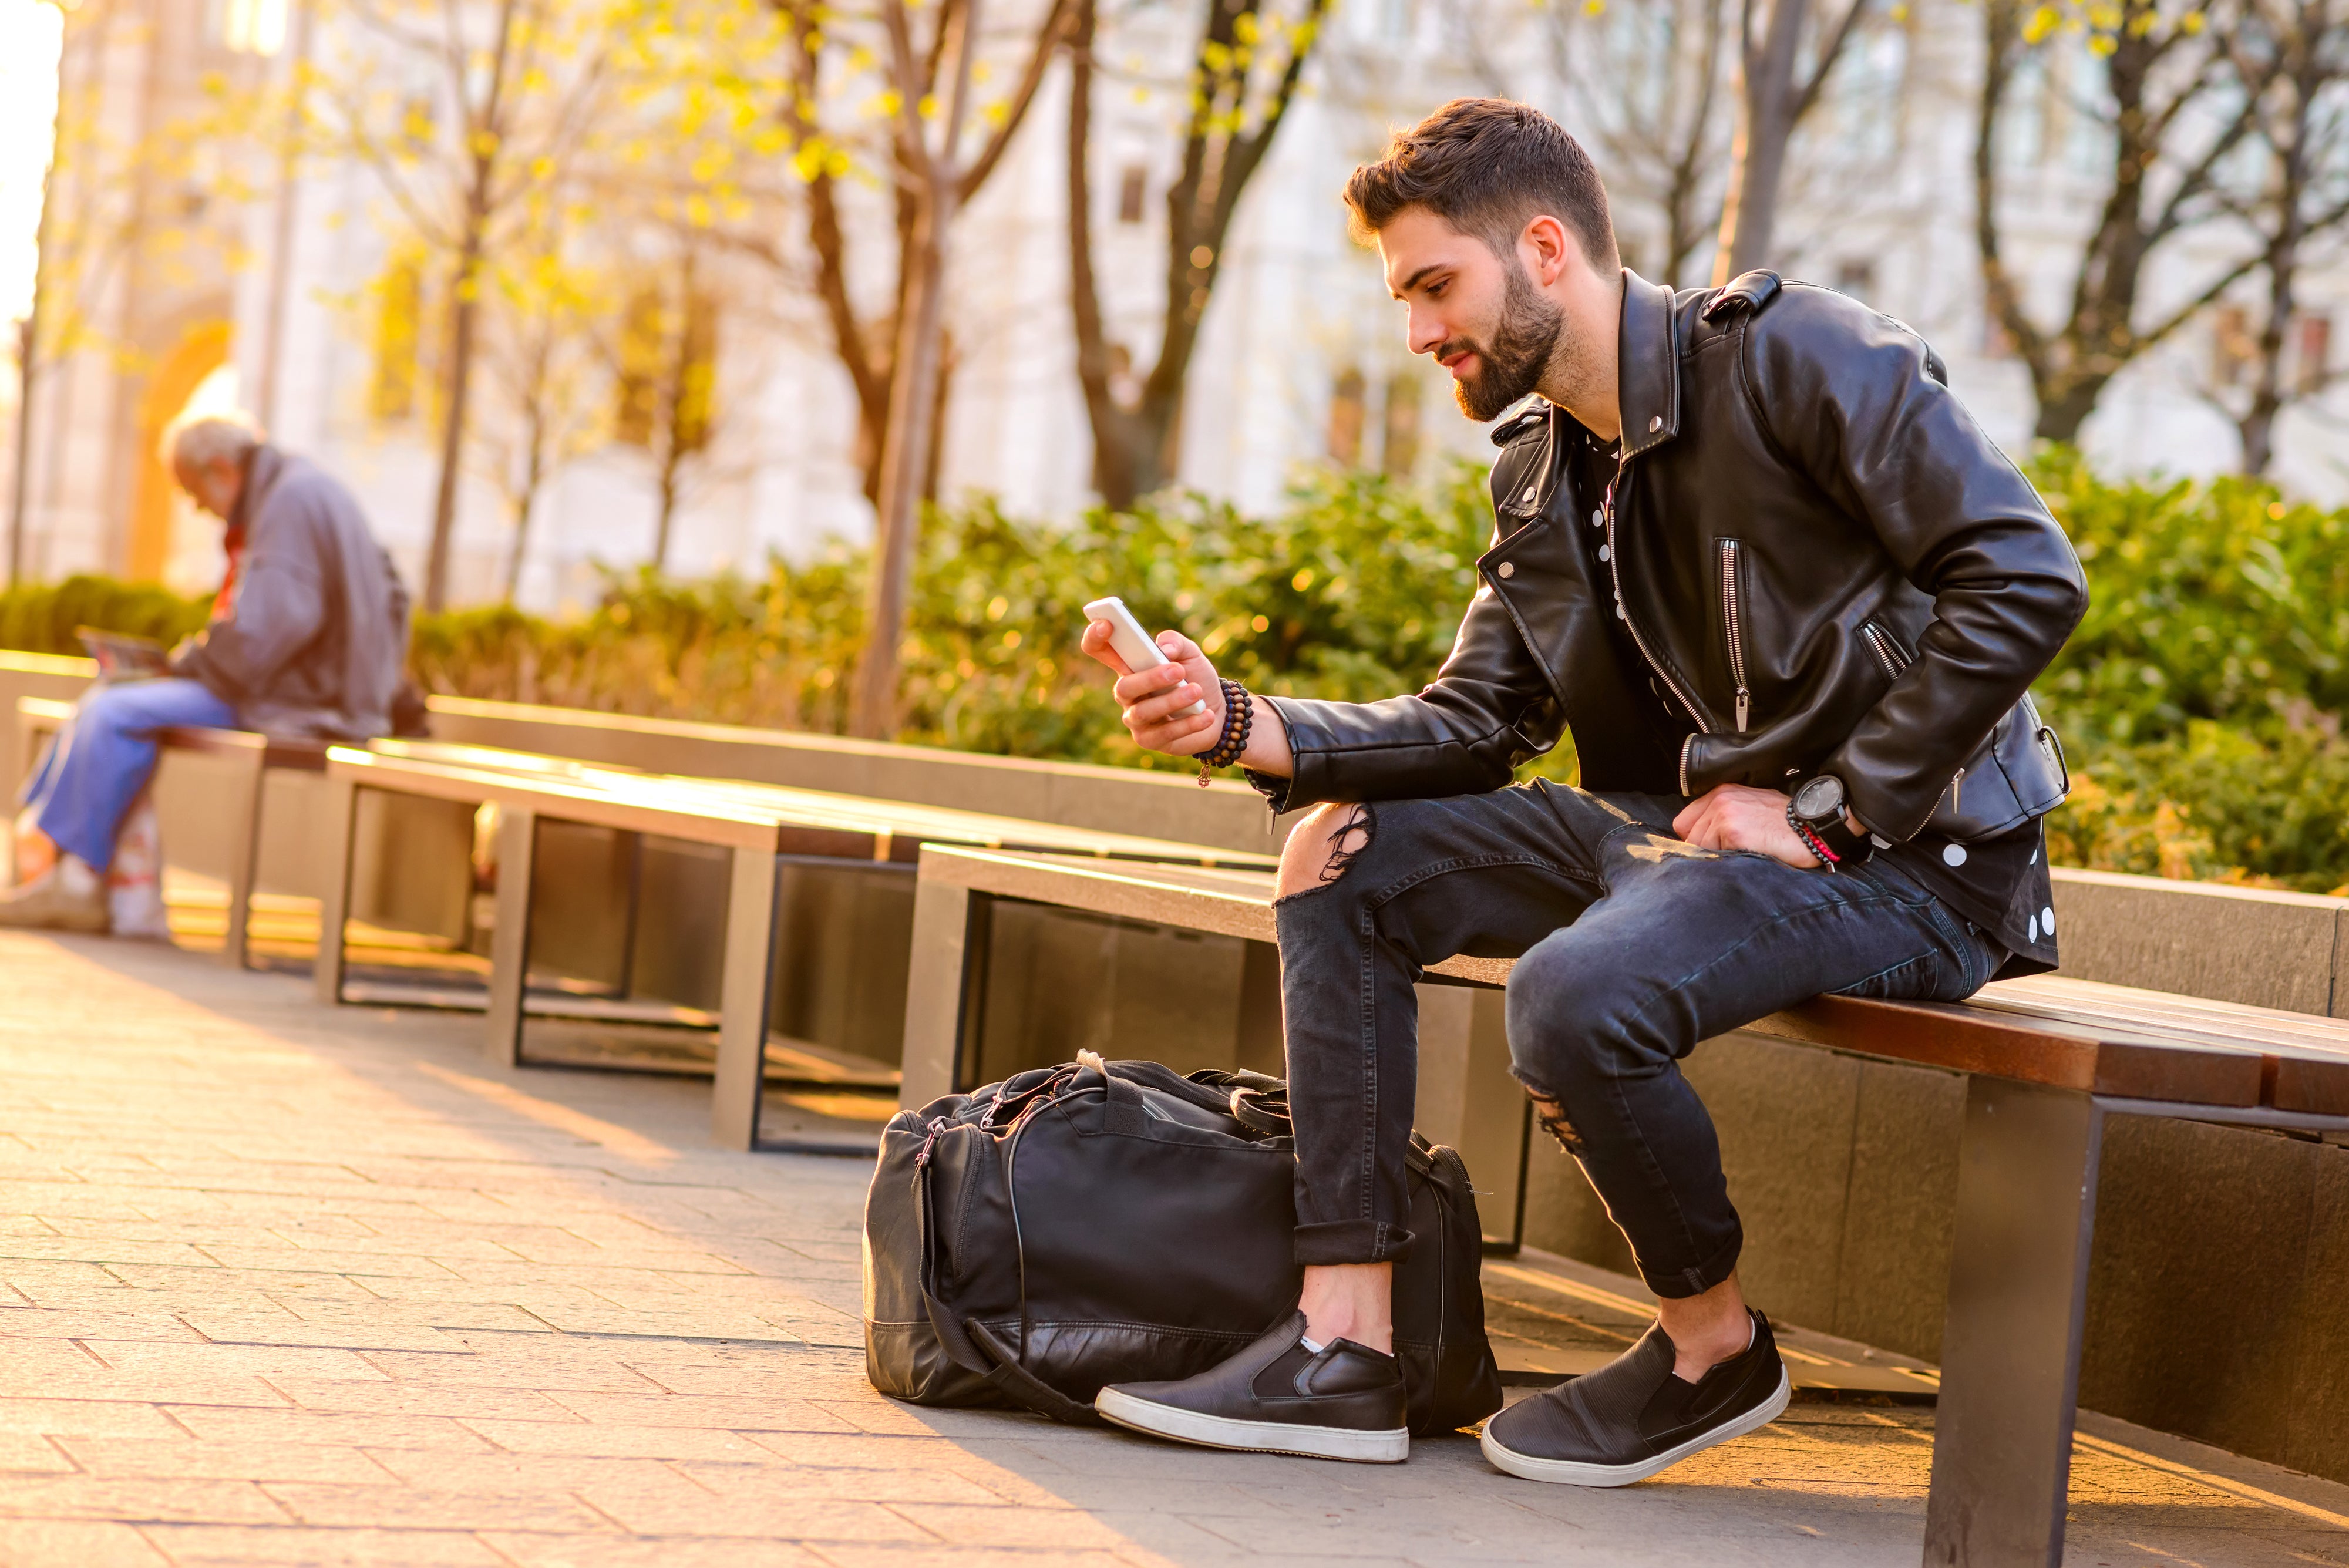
1729 618
1887 653
1615 559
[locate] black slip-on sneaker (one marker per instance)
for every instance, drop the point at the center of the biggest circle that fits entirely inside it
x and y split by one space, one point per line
1634 1418
1279 1398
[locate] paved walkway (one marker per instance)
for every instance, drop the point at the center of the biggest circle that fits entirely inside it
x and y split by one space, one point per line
281 1284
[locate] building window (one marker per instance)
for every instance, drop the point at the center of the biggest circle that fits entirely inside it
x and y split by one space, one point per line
1346 418
251 26
1130 189
2312 354
2233 346
398 312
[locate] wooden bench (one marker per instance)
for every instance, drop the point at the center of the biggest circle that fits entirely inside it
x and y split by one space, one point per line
2047 1060
761 827
244 758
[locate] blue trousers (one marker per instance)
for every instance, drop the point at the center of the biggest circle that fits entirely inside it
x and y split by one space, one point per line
85 786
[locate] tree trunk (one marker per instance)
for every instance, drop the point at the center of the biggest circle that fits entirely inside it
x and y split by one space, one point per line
1116 473
1750 219
905 459
1136 451
2152 196
28 333
462 312
523 505
483 141
918 362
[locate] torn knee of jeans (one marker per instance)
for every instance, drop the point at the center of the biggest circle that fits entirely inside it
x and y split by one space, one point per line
1551 1115
1352 837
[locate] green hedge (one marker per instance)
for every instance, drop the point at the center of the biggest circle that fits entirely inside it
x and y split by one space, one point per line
2200 700
42 617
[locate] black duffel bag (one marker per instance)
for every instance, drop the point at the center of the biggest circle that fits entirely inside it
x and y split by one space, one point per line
1119 1222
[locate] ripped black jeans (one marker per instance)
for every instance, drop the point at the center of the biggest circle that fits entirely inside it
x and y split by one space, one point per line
1631 945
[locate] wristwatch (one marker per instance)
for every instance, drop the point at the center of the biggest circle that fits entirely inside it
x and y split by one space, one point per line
1816 816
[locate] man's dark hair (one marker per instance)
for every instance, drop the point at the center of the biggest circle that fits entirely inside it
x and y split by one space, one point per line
1488 167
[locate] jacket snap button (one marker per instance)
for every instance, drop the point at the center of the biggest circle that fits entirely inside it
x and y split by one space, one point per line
1508 568
1621 613
1598 518
1531 491
1655 423
1603 552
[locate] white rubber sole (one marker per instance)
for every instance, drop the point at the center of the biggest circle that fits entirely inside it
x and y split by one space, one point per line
1389 1447
1576 1472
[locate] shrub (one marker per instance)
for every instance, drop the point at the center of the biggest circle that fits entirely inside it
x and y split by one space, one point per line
41 617
2201 697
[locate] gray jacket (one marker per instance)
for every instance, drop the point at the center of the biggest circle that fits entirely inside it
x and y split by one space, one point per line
315 640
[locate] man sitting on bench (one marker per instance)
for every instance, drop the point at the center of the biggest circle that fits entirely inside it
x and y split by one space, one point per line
309 637
1788 598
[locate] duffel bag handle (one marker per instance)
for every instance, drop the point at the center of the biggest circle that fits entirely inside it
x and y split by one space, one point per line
1022 1387
1261 1112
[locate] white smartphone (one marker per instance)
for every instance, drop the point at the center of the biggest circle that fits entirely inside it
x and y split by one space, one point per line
1132 644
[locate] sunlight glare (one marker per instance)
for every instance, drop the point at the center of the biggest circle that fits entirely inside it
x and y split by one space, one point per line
30 34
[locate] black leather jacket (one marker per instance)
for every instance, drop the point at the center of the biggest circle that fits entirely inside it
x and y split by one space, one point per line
1827 565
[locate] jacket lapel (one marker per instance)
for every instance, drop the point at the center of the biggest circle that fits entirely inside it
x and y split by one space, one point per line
1647 374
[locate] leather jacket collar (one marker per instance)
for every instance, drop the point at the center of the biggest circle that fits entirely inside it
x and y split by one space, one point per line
1647 366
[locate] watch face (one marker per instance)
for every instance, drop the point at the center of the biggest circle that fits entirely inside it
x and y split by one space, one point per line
1819 799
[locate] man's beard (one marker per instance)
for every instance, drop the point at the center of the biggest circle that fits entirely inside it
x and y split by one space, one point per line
1510 365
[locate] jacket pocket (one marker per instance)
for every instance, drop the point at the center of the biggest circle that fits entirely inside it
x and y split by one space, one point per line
2015 776
1733 596
1886 644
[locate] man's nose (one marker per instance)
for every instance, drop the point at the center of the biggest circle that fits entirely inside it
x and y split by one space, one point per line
1426 333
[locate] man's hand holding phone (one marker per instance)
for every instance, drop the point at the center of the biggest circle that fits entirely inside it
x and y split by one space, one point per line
1175 705
1153 701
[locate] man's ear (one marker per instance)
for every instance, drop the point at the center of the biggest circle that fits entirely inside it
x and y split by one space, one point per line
1549 249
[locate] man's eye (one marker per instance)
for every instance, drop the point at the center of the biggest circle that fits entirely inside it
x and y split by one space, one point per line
1435 291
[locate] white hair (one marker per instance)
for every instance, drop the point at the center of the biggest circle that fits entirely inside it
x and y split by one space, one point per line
200 442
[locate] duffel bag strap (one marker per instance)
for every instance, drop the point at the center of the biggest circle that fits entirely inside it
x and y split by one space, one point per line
1259 1111
1022 1387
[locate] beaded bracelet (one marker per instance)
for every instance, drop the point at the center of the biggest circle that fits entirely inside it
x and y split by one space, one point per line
1240 717
1812 840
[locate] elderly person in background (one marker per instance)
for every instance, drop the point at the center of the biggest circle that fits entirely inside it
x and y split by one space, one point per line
307 639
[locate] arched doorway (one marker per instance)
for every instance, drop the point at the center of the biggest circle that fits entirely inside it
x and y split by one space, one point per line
202 349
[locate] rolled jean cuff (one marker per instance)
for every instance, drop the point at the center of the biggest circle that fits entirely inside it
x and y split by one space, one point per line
1681 1284
1350 1241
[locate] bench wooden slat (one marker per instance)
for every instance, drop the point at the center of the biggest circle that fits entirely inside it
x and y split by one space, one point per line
2070 1034
894 830
705 822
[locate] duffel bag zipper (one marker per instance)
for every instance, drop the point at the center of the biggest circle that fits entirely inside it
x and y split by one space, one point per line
1732 609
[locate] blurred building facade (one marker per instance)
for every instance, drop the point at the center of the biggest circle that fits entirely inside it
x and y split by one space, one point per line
269 293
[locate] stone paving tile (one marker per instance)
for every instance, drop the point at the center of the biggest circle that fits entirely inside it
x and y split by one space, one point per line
143 1497
422 1508
281 1283
223 1546
32 1452
294 1426
75 1544
221 1461
650 1552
